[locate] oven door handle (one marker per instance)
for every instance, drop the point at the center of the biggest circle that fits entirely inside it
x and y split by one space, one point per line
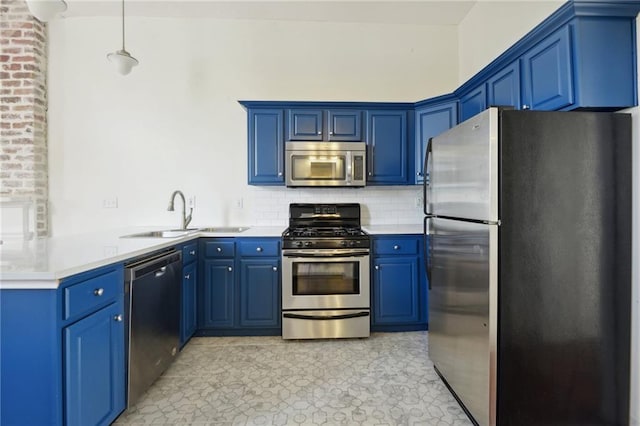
326 317
324 255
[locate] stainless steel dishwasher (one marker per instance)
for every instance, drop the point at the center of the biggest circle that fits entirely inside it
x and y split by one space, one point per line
152 286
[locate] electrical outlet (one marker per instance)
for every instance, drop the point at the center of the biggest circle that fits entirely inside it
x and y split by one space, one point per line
418 201
191 202
239 203
110 203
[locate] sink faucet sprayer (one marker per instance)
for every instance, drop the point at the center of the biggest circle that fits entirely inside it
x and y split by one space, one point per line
185 219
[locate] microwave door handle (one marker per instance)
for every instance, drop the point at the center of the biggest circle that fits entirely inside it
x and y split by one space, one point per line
348 161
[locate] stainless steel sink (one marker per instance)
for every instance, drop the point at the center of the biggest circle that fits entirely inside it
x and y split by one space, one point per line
167 233
226 229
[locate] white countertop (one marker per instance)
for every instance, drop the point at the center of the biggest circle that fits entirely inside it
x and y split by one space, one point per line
42 262
393 229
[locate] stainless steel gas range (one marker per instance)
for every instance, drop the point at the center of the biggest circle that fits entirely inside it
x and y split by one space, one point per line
325 273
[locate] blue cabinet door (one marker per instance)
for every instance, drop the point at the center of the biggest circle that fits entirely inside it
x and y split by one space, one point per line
266 147
189 318
547 73
218 293
344 125
431 121
387 147
473 103
259 293
304 125
94 368
503 88
395 290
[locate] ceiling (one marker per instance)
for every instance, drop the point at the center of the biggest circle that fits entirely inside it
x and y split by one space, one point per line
416 12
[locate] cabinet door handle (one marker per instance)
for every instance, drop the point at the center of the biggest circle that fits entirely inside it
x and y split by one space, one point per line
396 247
319 132
525 106
331 133
419 174
187 277
219 250
98 291
192 252
230 269
377 267
279 173
275 268
118 318
259 249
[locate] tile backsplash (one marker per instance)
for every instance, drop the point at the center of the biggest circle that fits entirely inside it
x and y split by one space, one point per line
389 205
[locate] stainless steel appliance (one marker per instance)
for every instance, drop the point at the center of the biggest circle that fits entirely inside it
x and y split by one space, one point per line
152 287
529 265
325 273
325 163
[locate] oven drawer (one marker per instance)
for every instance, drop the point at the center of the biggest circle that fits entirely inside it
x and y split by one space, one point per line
219 248
260 248
325 324
395 245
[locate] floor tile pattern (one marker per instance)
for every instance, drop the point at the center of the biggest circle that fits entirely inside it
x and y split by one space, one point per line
386 379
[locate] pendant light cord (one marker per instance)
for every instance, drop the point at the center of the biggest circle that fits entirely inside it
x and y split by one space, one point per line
123 26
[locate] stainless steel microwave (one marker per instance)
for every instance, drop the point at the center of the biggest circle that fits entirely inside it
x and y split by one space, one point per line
325 163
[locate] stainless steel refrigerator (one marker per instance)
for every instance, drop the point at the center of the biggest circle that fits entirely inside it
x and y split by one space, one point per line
528 217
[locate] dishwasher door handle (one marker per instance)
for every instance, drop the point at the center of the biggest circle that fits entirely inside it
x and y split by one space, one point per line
153 264
160 272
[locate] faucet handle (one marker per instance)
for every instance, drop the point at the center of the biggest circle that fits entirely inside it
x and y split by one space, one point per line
187 219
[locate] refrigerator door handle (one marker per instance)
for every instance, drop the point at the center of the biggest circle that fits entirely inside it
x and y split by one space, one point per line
427 178
427 249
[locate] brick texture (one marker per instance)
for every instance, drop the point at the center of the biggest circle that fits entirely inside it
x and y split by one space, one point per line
23 109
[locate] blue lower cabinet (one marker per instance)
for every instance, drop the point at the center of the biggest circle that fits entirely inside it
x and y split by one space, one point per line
218 293
259 293
189 321
399 290
94 372
239 291
396 295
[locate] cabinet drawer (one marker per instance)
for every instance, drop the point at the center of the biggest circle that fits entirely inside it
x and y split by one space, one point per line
219 249
262 248
396 246
189 253
88 295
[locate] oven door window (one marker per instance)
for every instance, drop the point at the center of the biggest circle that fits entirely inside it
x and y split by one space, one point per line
321 167
325 278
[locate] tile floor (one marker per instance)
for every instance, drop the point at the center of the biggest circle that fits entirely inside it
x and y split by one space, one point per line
386 379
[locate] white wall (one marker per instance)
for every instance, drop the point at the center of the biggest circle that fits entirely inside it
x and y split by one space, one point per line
492 26
174 122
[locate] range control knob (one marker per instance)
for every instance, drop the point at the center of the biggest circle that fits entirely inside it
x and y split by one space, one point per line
352 243
343 243
307 243
298 243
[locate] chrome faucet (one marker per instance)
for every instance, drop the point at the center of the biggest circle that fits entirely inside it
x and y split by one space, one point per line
185 219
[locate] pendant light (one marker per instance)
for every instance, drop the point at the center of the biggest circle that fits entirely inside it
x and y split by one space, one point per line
45 10
121 58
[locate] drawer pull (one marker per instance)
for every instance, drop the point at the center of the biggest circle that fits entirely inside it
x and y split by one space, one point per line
377 267
259 249
118 318
188 276
98 291
219 249
192 252
230 269
396 247
275 268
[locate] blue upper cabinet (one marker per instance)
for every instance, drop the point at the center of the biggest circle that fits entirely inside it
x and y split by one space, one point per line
266 146
344 125
304 125
339 125
547 73
473 102
387 148
431 120
503 88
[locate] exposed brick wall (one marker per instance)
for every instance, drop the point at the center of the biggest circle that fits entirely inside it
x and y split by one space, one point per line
23 109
